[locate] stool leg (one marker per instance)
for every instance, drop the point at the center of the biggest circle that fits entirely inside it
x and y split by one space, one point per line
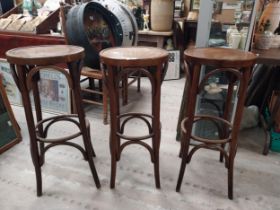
113 90
113 151
105 103
156 122
89 136
124 89
100 87
230 178
37 103
75 75
236 124
184 155
227 106
139 82
190 111
221 154
113 169
86 140
31 127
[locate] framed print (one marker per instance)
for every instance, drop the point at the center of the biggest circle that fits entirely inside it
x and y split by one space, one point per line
195 4
173 70
9 129
53 88
54 92
8 81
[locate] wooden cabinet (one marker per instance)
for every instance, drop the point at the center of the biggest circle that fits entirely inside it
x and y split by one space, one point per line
45 24
10 40
153 38
40 36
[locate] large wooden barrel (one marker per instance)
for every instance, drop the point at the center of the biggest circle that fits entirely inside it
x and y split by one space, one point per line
93 27
80 28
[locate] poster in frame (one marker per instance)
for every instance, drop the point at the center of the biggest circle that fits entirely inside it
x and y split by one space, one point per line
53 88
54 92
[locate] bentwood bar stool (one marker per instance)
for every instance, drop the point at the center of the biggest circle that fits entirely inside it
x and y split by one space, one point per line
236 65
116 63
26 64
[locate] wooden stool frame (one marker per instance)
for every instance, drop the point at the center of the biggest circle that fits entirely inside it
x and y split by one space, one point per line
237 65
115 68
26 63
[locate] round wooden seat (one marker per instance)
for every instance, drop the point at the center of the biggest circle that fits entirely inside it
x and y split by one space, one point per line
45 54
152 63
133 56
26 64
222 57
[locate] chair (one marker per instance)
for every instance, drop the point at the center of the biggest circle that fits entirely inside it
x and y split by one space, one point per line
90 74
94 74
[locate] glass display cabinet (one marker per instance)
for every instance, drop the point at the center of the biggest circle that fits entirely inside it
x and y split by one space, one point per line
227 24
231 24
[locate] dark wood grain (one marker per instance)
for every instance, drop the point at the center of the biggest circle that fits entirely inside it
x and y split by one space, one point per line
270 56
26 63
223 57
10 40
116 63
237 66
45 54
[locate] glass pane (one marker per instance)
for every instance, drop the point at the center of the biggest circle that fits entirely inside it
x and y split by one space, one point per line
229 29
212 101
230 23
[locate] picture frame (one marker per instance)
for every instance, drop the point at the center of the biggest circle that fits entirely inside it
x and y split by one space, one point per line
195 4
173 70
9 128
54 92
51 82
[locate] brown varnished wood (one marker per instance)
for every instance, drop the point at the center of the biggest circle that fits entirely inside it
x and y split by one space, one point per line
45 54
133 56
269 56
223 57
11 40
237 66
116 63
26 63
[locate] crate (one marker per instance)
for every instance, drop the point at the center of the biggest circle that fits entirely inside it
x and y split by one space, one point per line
274 136
275 141
49 23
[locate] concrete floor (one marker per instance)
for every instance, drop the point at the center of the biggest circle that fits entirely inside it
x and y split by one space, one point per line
67 181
